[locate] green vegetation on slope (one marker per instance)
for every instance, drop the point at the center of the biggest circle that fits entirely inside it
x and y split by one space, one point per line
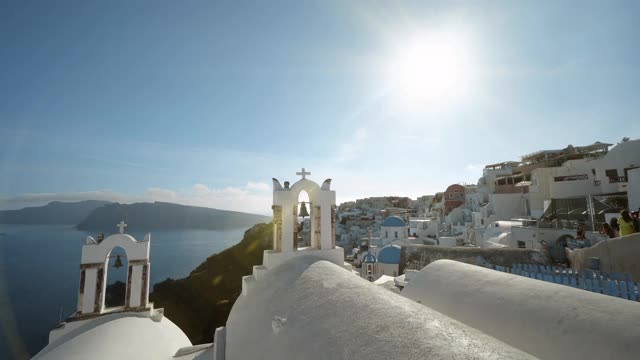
201 302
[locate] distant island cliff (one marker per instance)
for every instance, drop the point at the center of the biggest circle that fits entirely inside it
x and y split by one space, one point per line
55 212
165 216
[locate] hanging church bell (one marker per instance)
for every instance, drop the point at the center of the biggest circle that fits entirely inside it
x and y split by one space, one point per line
118 263
303 210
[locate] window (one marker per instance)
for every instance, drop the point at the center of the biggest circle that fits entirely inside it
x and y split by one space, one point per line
386 234
396 234
611 173
593 171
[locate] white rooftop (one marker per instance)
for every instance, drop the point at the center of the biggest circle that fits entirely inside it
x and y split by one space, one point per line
308 308
117 336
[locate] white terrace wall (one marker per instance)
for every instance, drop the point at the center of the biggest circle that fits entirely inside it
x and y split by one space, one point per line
623 156
616 255
508 206
540 190
575 178
546 320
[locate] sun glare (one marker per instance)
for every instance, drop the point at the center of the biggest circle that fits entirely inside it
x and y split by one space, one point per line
429 69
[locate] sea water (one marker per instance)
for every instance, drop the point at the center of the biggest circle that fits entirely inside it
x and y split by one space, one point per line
40 274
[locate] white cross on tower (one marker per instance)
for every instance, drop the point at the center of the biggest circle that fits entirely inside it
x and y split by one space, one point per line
303 173
122 225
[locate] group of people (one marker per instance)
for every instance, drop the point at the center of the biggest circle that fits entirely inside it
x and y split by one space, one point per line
627 224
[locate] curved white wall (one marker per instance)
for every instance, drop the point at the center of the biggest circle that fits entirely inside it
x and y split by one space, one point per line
546 320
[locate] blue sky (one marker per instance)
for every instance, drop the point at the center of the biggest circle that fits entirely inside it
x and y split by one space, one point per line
203 102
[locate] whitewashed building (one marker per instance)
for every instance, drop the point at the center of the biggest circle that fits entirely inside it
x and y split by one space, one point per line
306 303
606 174
393 228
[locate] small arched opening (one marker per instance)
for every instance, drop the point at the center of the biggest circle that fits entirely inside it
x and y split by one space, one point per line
116 273
303 220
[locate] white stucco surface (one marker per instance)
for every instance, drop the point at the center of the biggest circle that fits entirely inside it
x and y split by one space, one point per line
507 206
616 255
118 336
272 258
136 285
633 191
547 320
86 302
309 308
388 233
97 253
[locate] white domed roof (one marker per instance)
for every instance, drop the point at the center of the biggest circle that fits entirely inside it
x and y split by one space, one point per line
393 221
312 309
390 254
503 302
118 336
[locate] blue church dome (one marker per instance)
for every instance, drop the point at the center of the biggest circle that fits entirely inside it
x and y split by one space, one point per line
389 254
369 258
393 221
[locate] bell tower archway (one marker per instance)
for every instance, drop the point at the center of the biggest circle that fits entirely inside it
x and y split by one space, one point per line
321 209
302 233
93 272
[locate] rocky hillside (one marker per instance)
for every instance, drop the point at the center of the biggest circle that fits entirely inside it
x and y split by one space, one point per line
202 301
163 216
55 212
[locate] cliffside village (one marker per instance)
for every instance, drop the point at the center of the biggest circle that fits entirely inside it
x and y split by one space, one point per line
306 288
553 199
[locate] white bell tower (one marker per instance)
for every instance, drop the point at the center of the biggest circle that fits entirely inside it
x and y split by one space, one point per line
94 267
322 203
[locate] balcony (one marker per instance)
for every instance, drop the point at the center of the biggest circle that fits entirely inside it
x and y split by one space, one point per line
510 189
617 179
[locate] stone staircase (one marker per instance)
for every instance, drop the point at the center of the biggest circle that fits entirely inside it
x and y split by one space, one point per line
259 271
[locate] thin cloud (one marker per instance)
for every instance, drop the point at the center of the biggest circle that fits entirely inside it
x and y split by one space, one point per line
352 149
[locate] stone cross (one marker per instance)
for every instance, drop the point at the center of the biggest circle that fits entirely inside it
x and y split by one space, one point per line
303 173
122 225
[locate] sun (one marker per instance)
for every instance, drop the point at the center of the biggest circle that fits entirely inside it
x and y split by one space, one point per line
430 68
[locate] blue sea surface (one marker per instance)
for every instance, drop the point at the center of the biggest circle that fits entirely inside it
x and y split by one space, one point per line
40 273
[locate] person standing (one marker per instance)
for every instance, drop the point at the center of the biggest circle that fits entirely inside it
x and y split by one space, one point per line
614 226
580 232
608 230
636 220
625 222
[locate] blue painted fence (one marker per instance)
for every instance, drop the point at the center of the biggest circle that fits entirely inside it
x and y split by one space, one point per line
613 284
